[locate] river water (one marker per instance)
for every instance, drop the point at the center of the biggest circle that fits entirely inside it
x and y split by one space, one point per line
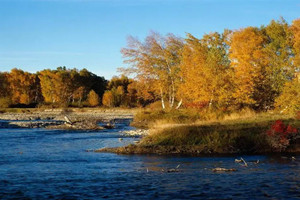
53 164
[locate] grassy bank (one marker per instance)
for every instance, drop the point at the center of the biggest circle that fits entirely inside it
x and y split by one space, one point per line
232 134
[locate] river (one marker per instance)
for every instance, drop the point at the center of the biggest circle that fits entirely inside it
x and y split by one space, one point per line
53 164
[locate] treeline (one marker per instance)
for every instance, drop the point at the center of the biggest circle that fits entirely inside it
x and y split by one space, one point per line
57 88
64 87
253 67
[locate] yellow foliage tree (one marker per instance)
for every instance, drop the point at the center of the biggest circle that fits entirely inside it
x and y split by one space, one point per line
93 98
107 99
289 100
248 60
295 28
23 86
205 72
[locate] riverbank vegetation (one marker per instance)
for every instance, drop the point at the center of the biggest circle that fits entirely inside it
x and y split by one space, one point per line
259 133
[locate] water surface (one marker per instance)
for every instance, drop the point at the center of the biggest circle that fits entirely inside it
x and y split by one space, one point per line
53 164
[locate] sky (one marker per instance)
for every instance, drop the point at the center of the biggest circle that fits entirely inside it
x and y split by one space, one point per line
46 34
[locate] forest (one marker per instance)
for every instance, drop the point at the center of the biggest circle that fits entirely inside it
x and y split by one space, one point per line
253 67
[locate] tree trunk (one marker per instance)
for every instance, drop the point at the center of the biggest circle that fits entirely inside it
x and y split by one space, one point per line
210 104
173 94
162 99
179 104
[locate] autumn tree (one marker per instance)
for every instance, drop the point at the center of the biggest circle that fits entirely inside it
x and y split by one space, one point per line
5 99
63 86
4 91
261 58
205 71
79 95
108 99
91 81
289 100
279 66
295 28
249 62
117 92
24 87
56 85
93 98
155 60
141 94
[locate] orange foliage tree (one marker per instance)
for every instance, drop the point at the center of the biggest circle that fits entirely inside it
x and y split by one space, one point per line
93 98
248 60
24 87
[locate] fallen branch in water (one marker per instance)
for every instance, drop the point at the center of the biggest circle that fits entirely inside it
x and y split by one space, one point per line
245 164
219 169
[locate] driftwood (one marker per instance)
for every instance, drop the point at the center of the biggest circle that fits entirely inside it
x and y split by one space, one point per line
219 169
245 163
172 169
67 119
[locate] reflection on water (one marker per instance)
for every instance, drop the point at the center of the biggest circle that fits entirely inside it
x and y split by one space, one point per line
51 164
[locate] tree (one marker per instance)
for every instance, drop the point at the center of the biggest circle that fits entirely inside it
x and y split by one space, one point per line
249 60
63 86
295 28
289 100
79 94
93 98
205 71
279 66
56 85
23 86
4 91
92 82
117 92
107 99
5 99
155 60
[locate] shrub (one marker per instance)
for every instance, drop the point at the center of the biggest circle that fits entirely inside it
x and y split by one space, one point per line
280 135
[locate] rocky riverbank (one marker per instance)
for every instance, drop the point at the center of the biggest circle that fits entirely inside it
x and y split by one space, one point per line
60 119
137 132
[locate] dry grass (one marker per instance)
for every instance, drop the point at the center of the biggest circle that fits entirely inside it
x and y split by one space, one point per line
236 133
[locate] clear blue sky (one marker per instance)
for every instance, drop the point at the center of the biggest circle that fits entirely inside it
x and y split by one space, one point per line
39 34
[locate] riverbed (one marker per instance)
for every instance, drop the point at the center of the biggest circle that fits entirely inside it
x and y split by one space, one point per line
56 164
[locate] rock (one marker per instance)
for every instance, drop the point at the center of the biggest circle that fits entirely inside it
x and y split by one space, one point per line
137 132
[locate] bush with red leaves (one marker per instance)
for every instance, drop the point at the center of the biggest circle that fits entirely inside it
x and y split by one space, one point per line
280 135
